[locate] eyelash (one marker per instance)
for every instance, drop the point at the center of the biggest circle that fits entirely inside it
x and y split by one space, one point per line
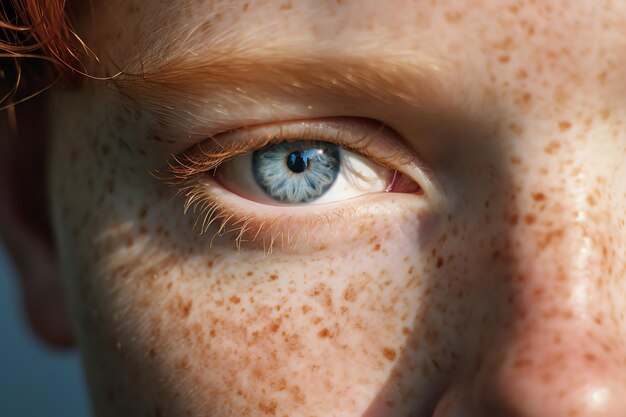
185 173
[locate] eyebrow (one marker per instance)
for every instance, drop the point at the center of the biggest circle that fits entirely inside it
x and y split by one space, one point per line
354 74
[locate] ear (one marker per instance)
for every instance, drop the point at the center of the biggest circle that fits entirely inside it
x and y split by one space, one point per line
24 221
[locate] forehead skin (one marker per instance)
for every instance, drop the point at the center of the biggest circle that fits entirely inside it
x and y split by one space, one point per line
500 293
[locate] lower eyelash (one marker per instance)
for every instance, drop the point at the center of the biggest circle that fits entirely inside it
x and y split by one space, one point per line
249 229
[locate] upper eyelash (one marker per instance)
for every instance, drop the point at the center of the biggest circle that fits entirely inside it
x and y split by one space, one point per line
199 160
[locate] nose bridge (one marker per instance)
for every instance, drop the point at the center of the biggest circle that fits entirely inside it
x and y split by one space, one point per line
562 244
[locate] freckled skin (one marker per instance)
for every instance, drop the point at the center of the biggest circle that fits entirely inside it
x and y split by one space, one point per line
504 299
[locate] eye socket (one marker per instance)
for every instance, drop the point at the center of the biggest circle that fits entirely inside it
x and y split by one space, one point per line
299 165
303 172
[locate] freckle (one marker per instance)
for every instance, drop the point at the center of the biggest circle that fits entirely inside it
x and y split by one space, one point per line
376 247
249 273
453 16
590 357
389 354
561 95
530 218
324 333
591 201
564 125
521 75
538 196
279 385
522 363
552 147
275 326
186 308
516 160
515 128
245 7
212 333
273 277
439 262
605 114
504 59
234 299
183 365
297 394
405 330
349 294
268 407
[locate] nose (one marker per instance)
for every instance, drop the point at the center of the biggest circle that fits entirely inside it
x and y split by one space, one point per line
553 386
562 351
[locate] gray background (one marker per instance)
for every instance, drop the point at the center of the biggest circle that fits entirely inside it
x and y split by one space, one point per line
33 380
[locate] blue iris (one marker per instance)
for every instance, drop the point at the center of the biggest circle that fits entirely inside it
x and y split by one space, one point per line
296 172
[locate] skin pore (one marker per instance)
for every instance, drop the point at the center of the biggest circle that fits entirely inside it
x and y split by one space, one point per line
496 291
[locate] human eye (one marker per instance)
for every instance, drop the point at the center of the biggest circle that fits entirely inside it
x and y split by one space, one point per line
265 182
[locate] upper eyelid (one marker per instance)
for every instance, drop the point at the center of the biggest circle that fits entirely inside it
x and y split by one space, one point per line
367 137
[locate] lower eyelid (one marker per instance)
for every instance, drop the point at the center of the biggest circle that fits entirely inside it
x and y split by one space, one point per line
223 215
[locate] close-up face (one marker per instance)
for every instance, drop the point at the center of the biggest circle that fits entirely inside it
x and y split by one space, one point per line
342 208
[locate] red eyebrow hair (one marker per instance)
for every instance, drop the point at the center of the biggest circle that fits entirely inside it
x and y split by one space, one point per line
201 79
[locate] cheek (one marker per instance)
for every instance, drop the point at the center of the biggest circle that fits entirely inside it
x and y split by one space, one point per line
251 332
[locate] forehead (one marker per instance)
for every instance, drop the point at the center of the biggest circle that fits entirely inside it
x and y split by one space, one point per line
409 22
554 36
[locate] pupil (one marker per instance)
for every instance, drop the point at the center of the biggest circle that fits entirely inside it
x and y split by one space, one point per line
298 161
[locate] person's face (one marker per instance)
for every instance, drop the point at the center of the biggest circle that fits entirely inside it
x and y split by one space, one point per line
497 290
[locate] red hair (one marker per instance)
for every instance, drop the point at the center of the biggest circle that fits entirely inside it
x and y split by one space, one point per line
37 44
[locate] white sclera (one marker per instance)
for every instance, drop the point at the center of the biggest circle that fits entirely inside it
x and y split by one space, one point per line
357 176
